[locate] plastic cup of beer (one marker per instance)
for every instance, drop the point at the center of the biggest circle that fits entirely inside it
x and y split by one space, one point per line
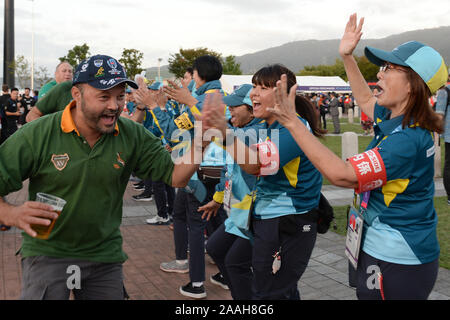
43 232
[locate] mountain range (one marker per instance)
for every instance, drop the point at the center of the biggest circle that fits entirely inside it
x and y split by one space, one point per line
297 54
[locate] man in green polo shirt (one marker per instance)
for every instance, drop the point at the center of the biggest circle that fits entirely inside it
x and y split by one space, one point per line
55 100
85 155
63 72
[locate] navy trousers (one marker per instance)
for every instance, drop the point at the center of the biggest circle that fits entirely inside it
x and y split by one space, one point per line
295 240
233 257
189 228
164 198
400 282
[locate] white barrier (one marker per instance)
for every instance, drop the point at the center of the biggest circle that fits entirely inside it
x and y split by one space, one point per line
349 145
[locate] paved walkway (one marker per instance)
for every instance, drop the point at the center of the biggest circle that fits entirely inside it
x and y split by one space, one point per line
325 278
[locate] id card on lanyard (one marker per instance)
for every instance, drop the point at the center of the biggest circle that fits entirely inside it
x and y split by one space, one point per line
227 196
354 230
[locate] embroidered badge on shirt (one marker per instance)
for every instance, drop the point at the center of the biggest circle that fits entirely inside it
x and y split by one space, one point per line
60 161
120 161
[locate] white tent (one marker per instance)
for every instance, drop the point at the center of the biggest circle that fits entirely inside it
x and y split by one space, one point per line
305 83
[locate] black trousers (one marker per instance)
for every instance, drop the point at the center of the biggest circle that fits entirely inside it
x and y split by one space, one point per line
324 120
233 257
447 169
296 247
164 197
400 282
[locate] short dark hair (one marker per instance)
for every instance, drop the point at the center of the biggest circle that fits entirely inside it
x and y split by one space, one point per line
14 89
190 70
27 88
5 87
209 68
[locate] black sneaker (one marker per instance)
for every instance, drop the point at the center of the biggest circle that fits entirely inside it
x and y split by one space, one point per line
142 197
219 280
4 227
193 292
139 186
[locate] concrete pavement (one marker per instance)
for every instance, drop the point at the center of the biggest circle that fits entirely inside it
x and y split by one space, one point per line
326 277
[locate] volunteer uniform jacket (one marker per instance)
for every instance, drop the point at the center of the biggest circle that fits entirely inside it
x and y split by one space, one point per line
242 185
295 188
400 222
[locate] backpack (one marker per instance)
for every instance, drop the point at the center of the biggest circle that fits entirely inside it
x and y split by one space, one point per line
448 100
326 215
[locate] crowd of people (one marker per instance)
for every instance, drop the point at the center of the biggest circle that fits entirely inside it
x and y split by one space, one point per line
242 170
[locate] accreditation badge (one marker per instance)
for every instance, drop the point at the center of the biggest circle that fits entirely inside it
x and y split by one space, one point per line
183 122
354 235
227 196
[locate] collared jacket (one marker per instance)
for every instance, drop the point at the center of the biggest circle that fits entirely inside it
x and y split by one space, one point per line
400 221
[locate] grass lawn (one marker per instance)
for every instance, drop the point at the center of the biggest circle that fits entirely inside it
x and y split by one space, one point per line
443 228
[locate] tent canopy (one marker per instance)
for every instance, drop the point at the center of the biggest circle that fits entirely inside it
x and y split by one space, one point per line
305 83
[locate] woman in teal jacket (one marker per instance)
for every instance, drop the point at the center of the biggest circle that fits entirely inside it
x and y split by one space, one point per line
399 255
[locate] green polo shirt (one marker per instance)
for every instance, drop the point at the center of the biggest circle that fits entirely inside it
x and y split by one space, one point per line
46 88
57 160
56 99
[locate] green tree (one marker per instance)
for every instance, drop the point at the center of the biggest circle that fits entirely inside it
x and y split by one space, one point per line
41 76
230 66
22 69
368 69
336 69
76 55
180 61
132 60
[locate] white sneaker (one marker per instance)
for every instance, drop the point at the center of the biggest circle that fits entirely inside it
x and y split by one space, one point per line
157 220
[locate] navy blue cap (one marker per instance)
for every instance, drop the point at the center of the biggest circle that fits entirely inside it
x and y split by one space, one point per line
101 72
239 97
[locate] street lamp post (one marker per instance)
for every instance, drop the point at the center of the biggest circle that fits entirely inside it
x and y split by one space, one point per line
32 45
8 44
159 69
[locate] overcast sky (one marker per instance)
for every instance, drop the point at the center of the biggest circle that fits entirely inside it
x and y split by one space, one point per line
237 27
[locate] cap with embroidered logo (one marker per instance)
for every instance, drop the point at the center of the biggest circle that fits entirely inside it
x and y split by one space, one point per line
101 72
424 60
239 96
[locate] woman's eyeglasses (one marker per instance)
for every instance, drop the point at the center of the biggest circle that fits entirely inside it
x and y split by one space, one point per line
388 66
